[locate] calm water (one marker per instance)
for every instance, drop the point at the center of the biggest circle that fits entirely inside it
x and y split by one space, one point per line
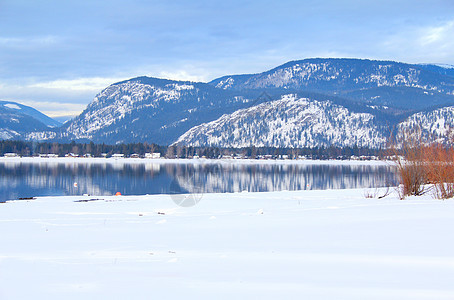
47 178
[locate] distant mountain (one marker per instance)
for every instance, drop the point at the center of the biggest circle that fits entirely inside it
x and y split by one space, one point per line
367 81
63 119
30 111
311 102
442 69
16 120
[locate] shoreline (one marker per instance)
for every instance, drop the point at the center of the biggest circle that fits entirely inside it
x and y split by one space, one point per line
102 160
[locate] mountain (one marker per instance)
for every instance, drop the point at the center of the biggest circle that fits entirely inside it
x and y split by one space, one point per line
16 120
290 122
439 68
30 111
150 109
342 90
63 119
311 102
431 125
366 81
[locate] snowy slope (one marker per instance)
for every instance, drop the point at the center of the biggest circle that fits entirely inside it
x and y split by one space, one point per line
289 122
436 125
116 101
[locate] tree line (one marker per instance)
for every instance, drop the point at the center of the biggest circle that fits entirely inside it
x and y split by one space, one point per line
23 148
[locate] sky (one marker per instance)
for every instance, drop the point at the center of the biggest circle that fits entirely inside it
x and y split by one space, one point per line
57 55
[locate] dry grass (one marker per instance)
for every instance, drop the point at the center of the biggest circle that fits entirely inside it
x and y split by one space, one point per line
377 193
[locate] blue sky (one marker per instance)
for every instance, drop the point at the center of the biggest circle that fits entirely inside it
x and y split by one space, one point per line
57 55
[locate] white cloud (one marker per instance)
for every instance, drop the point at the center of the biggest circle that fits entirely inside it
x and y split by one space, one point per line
80 84
182 75
429 44
56 109
439 35
58 97
29 42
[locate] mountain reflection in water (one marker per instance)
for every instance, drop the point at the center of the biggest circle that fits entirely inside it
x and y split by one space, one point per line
47 178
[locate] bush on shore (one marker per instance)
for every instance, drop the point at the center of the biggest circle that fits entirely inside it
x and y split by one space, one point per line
423 166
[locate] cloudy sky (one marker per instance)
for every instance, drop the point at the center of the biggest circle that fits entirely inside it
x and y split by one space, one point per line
57 55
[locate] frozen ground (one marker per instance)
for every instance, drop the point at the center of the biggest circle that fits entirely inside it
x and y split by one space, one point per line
334 244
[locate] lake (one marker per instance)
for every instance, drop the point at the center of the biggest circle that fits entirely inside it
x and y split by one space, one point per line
23 178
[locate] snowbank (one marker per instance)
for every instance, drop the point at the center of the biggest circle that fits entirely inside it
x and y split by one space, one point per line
333 244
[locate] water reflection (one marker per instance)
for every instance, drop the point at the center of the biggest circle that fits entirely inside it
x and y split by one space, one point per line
46 178
264 178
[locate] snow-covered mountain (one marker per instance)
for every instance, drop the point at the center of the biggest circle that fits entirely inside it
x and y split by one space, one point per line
16 120
300 122
432 125
368 81
289 122
149 109
14 107
312 102
341 74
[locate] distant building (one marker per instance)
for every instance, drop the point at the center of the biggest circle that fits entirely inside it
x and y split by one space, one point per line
153 155
50 155
118 155
10 155
135 155
71 155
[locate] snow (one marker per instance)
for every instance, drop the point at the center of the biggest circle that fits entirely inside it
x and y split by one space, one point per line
333 244
6 134
12 105
445 66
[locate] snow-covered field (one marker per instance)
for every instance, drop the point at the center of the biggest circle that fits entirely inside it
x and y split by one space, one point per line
332 244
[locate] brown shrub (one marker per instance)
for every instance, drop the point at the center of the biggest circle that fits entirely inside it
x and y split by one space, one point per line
411 172
439 166
423 165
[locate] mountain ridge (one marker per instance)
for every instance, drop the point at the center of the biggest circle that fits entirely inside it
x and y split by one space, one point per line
155 110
